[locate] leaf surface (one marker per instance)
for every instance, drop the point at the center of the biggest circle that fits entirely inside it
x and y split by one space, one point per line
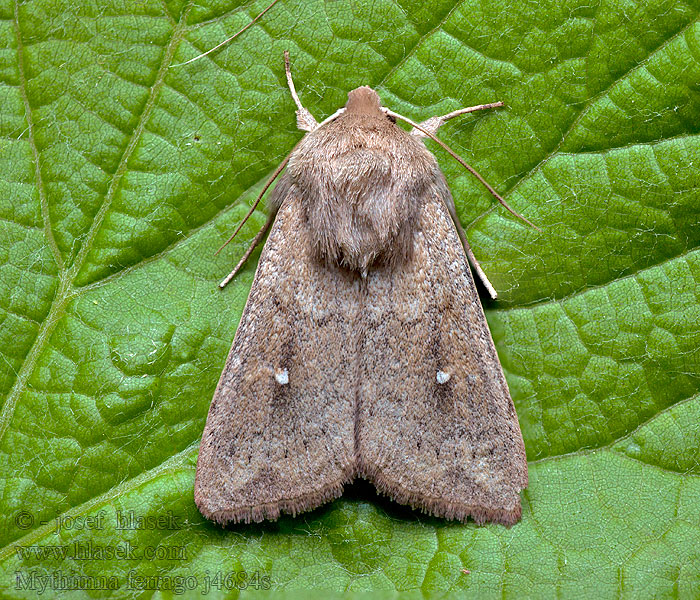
121 173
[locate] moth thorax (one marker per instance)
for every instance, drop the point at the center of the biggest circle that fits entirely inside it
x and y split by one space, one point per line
362 180
363 216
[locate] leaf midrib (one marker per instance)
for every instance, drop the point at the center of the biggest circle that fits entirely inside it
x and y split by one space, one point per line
32 143
171 464
66 291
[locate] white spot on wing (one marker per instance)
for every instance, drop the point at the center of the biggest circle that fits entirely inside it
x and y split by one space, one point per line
442 377
282 376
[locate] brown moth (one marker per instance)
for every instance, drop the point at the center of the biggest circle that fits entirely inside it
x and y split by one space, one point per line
363 350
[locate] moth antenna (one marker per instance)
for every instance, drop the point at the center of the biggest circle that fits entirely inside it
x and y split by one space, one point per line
256 240
290 81
464 111
226 41
278 170
434 123
462 162
305 120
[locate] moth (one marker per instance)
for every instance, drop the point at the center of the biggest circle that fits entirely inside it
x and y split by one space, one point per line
363 350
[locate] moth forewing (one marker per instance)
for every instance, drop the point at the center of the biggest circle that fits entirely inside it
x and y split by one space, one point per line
280 431
437 427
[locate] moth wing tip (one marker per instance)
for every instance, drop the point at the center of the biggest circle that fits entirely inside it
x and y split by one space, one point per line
445 509
268 511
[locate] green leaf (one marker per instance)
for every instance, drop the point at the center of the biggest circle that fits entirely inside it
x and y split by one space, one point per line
121 174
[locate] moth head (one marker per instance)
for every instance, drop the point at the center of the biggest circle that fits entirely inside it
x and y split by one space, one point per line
364 101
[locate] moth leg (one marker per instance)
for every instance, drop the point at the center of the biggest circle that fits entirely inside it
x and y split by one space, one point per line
305 120
475 263
434 123
256 240
468 249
